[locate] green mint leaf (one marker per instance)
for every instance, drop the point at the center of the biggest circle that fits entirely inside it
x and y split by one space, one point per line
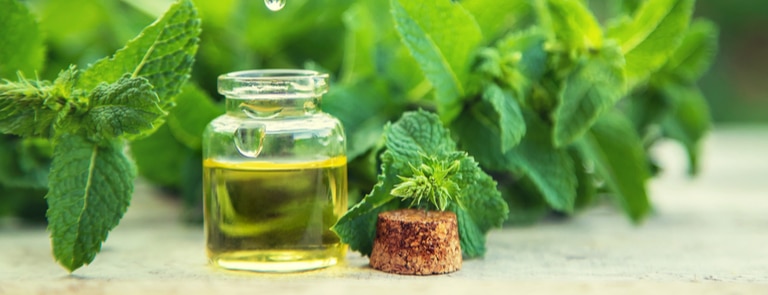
511 120
688 121
646 110
472 239
23 111
194 110
32 108
128 106
523 60
21 42
162 53
159 157
550 170
594 87
496 17
622 164
586 190
695 54
413 135
89 190
441 35
357 227
651 36
481 207
408 140
571 23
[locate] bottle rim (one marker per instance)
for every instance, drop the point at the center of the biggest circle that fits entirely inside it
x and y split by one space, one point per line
273 83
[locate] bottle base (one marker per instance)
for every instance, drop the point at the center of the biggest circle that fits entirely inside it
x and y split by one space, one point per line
278 260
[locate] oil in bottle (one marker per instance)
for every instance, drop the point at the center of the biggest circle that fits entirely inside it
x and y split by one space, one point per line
274 216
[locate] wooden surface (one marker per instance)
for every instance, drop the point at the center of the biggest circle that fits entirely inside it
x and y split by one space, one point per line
708 235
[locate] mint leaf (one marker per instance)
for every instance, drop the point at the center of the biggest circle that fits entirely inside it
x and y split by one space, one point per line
441 35
695 54
414 135
523 60
194 110
511 121
163 53
621 163
571 23
90 188
128 106
357 227
21 42
481 207
23 111
550 170
594 87
651 36
496 17
688 121
586 190
32 108
646 110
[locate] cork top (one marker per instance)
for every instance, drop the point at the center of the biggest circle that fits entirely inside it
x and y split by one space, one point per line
406 215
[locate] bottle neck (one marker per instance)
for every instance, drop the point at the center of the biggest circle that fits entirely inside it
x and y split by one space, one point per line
271 107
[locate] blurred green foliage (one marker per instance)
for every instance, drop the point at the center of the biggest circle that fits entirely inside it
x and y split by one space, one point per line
356 42
736 86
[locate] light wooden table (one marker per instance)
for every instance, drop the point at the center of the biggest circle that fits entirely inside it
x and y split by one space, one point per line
709 235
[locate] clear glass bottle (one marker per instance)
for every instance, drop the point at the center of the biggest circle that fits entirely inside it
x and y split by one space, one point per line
275 174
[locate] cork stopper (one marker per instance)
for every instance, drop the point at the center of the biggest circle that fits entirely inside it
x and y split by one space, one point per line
416 242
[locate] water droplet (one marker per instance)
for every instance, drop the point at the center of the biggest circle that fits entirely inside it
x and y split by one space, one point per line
249 139
275 5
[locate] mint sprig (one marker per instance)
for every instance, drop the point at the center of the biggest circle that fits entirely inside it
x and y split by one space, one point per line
432 182
89 115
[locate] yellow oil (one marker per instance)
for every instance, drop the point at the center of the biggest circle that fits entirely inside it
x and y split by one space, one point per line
274 217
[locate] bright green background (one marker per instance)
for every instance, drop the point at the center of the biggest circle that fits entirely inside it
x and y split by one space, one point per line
244 35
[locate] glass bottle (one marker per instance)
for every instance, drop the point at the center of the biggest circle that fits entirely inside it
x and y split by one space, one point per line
275 174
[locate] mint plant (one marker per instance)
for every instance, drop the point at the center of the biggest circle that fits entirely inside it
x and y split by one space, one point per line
89 115
559 106
448 178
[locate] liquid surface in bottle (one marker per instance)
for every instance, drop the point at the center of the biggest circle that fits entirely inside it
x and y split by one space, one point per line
274 216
